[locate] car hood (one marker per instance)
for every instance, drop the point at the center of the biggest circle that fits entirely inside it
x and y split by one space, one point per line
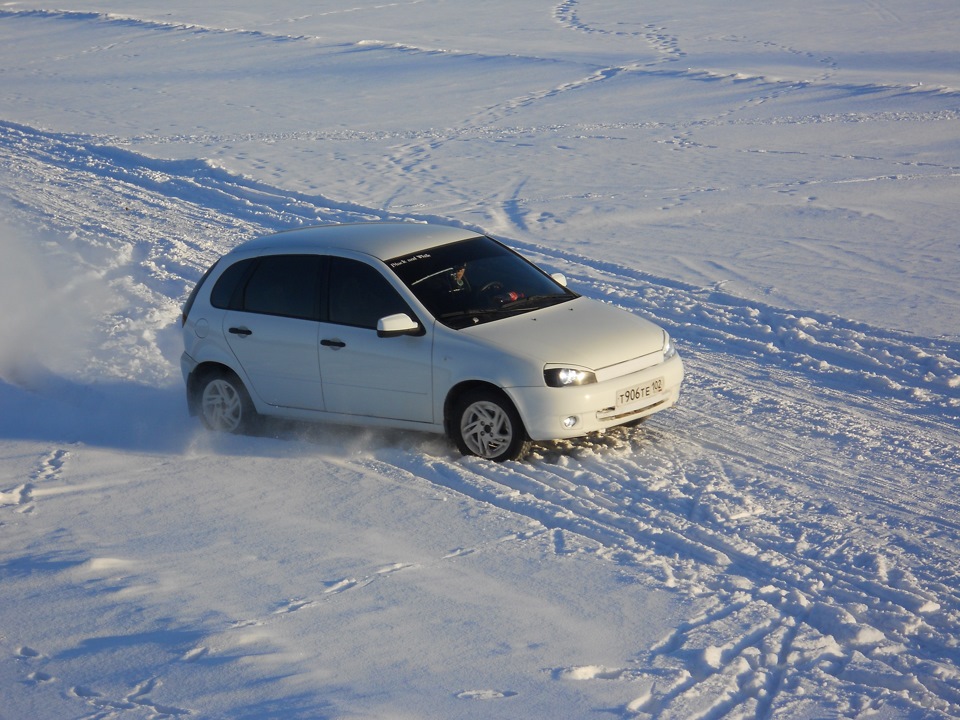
581 332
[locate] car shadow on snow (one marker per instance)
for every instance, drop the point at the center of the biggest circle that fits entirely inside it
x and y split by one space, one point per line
118 414
125 415
346 440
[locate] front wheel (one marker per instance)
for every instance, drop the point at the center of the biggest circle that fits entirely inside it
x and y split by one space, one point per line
486 424
225 405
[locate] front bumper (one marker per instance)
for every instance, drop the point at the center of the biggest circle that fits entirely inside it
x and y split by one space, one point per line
546 411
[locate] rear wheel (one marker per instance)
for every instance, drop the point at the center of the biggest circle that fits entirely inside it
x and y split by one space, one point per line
225 405
485 423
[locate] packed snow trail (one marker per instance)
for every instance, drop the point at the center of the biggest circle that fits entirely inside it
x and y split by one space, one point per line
802 494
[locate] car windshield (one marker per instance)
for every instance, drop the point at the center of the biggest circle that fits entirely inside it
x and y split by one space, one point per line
476 281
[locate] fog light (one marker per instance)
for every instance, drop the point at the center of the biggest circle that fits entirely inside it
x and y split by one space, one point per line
571 421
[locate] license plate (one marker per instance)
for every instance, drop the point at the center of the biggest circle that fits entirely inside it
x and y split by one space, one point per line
638 393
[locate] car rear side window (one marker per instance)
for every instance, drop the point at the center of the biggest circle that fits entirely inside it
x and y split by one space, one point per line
286 285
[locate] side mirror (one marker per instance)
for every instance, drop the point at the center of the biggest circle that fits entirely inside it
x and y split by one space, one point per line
397 325
559 278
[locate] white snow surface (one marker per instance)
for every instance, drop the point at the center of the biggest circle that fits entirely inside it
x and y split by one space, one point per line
776 183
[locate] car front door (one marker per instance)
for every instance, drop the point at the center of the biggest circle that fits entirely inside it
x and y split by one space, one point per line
363 374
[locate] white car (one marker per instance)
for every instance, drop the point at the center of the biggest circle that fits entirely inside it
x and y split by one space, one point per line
415 326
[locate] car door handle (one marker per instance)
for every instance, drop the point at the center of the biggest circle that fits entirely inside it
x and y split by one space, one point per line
326 342
241 331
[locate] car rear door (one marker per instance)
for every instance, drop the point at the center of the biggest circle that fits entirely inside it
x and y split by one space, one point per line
272 328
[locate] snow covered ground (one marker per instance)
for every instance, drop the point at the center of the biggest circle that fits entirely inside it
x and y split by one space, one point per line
775 183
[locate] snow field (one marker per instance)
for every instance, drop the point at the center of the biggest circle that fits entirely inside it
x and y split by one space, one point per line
777 193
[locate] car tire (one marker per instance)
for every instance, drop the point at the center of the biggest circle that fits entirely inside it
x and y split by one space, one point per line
224 403
486 424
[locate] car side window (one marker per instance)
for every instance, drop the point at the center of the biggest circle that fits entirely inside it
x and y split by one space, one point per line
359 295
228 291
286 285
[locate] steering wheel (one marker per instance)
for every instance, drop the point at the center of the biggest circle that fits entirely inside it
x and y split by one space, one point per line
489 289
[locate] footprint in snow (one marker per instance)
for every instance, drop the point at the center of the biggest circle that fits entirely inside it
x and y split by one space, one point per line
485 694
195 654
459 552
340 586
38 678
51 465
593 672
245 624
137 699
22 496
293 605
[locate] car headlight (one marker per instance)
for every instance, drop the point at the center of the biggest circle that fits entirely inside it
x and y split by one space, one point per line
564 376
669 349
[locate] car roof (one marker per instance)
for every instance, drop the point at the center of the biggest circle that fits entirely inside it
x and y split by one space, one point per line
383 240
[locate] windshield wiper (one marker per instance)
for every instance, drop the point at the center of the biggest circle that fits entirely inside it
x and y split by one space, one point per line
536 301
467 313
465 316
476 315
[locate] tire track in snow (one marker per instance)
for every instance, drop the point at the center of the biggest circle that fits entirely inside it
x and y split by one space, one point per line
78 16
849 581
143 228
825 582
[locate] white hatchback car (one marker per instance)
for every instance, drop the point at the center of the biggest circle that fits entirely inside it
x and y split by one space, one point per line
415 326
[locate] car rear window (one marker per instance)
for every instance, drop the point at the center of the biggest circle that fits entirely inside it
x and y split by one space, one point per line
191 298
227 293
